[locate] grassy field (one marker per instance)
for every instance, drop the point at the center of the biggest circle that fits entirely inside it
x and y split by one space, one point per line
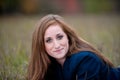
102 31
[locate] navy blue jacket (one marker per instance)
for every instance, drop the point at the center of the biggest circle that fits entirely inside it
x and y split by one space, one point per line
83 65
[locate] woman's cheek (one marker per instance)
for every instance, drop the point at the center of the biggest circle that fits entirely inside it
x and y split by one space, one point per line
49 46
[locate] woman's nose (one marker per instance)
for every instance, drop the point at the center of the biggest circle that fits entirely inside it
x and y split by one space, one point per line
56 44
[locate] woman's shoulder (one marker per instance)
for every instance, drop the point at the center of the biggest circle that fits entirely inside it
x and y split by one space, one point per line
83 59
87 61
82 62
83 55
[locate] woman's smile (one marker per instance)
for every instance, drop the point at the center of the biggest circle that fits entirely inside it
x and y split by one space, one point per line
59 50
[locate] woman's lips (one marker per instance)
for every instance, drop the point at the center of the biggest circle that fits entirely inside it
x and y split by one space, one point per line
58 50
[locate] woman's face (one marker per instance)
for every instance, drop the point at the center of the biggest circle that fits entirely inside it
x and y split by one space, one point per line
56 42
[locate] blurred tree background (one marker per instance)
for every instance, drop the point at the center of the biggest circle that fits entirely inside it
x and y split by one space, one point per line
59 6
97 21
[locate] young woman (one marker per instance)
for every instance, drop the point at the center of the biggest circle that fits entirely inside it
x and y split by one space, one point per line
59 54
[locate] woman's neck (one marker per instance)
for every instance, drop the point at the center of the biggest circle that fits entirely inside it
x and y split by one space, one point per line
61 61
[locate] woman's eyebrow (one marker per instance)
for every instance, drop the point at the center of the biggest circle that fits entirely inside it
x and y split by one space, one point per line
59 34
47 38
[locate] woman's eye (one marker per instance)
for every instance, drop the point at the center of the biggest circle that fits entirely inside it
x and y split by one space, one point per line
48 40
60 37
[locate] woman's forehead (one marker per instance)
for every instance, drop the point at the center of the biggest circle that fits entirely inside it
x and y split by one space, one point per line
53 30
